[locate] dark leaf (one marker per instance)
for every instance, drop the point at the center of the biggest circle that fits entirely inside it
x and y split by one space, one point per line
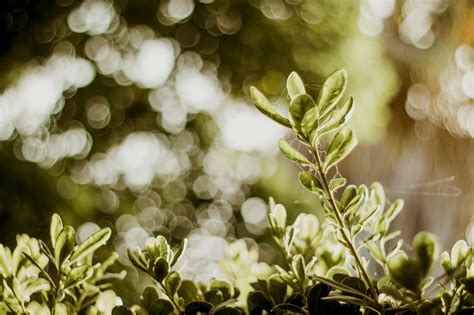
314 296
160 269
198 306
259 299
121 310
161 307
284 307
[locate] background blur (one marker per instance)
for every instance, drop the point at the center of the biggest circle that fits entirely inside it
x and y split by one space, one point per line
135 115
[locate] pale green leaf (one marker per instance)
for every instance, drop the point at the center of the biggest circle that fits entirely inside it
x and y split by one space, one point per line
264 106
157 247
291 153
64 244
339 117
299 267
77 276
342 144
310 181
309 125
181 249
299 107
92 243
332 91
394 210
56 228
295 85
336 183
377 194
135 261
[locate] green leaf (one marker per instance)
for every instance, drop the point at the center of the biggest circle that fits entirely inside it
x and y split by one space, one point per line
377 194
339 286
77 276
121 310
404 271
342 144
214 297
286 307
376 252
181 249
339 118
148 296
336 183
258 299
56 228
299 267
295 85
160 269
299 107
38 285
172 282
459 253
264 106
354 301
187 291
161 306
309 125
394 210
311 183
468 284
198 306
292 154
92 243
157 247
227 311
332 91
349 194
277 288
64 244
223 286
33 261
424 245
355 283
314 296
135 261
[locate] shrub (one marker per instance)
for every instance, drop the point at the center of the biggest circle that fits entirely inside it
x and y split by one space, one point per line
324 271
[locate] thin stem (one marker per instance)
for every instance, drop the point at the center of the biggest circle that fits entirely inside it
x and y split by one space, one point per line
342 224
170 297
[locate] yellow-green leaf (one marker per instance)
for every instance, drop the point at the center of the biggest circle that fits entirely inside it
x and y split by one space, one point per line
332 91
291 153
295 85
264 106
93 242
342 144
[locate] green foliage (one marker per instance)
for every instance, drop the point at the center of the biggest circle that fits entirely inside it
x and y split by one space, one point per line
357 220
61 279
324 271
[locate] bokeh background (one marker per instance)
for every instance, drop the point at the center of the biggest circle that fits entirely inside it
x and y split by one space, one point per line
135 114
